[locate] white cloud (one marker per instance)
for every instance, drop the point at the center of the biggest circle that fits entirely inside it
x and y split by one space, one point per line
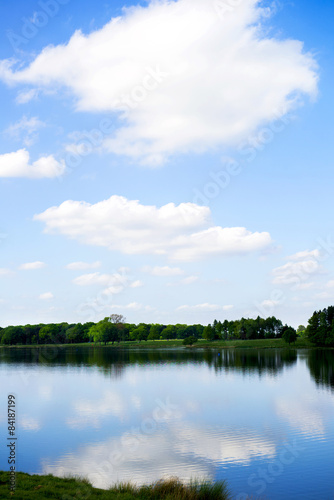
114 283
200 307
324 295
305 286
212 84
330 284
163 271
136 284
78 266
101 279
46 296
306 254
228 307
300 267
32 265
270 303
189 280
4 271
178 232
18 164
26 128
26 96
132 306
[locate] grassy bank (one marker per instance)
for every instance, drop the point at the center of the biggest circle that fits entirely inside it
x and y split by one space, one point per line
217 344
30 487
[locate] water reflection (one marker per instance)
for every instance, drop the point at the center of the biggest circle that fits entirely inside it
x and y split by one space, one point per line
118 414
188 452
112 362
321 365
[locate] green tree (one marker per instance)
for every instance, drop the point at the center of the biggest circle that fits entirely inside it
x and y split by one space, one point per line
190 340
208 333
320 328
155 331
140 333
12 335
289 334
169 332
49 334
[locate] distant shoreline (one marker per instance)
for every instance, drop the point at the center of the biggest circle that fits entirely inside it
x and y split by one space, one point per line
177 344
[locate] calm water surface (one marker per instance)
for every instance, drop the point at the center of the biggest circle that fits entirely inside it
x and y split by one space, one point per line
262 419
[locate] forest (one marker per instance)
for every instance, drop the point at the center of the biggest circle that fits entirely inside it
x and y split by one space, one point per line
114 328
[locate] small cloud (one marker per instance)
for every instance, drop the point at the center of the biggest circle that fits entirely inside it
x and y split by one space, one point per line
4 271
304 286
29 266
101 279
17 164
200 307
298 269
189 280
46 296
136 284
324 295
163 271
228 307
76 266
133 306
25 130
269 303
306 254
26 96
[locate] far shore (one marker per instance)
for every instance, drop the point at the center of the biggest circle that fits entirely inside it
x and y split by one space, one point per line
201 344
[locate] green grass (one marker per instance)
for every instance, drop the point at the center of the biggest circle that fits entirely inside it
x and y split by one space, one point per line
257 343
160 344
221 344
31 487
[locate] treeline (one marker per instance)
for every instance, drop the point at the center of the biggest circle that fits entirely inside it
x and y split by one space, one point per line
320 328
115 329
243 329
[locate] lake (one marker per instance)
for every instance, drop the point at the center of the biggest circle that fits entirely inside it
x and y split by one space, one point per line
261 419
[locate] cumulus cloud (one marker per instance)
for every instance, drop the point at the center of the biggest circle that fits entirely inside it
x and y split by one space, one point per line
46 296
181 232
18 164
114 283
29 266
79 266
97 279
212 84
300 267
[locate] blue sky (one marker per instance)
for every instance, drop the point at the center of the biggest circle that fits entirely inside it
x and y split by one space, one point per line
169 161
